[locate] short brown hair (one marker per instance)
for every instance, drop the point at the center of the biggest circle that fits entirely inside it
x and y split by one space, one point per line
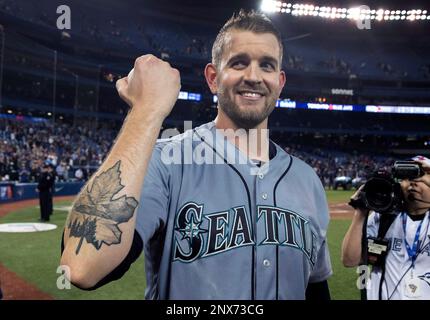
244 21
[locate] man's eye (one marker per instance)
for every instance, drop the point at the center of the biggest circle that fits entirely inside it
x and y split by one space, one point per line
268 65
238 64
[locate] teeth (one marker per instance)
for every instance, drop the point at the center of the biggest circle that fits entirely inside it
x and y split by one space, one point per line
251 94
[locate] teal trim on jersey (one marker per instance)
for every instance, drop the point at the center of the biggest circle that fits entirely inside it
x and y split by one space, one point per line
224 239
248 224
230 228
295 216
265 241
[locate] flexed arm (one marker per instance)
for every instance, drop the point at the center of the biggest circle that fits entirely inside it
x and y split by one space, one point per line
100 227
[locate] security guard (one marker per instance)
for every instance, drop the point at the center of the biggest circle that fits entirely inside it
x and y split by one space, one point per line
45 188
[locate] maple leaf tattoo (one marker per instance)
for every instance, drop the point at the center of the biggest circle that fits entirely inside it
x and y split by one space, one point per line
96 214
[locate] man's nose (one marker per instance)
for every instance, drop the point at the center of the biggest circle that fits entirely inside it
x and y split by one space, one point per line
253 73
413 183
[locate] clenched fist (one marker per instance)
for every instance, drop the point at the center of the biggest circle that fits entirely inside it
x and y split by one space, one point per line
151 88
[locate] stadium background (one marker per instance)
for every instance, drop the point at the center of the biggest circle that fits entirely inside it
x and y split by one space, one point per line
58 104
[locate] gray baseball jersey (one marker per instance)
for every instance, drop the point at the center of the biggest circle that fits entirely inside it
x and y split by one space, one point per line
230 230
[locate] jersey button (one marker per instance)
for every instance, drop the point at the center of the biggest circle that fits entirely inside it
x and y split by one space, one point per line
261 176
264 195
266 263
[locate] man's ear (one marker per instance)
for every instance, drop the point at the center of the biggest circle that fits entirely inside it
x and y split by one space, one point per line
282 79
210 75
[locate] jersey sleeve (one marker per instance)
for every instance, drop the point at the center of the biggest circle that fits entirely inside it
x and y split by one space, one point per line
322 269
372 224
154 200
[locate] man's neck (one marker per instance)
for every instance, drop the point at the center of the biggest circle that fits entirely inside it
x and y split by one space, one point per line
254 142
417 211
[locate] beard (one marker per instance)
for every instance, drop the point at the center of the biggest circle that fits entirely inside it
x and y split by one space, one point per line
248 118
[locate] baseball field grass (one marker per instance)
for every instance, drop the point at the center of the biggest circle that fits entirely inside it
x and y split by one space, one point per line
35 258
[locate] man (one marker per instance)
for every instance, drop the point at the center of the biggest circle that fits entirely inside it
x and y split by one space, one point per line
45 188
62 171
212 228
405 272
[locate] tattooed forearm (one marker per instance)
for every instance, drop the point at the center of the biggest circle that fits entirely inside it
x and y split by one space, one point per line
95 215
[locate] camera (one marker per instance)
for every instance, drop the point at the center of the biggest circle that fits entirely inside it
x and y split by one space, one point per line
382 192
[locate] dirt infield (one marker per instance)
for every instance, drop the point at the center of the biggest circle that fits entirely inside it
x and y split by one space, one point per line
16 288
13 286
340 211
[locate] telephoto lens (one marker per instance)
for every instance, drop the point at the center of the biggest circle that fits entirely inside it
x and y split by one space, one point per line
379 194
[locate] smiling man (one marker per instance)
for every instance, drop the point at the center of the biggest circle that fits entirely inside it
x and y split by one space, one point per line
254 228
245 74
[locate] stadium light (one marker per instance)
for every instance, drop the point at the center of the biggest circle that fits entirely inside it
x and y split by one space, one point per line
268 6
354 13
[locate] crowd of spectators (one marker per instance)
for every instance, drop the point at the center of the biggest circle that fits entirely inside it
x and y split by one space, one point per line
336 65
329 164
74 152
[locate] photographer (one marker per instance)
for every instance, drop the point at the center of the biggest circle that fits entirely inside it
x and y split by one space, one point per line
397 242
